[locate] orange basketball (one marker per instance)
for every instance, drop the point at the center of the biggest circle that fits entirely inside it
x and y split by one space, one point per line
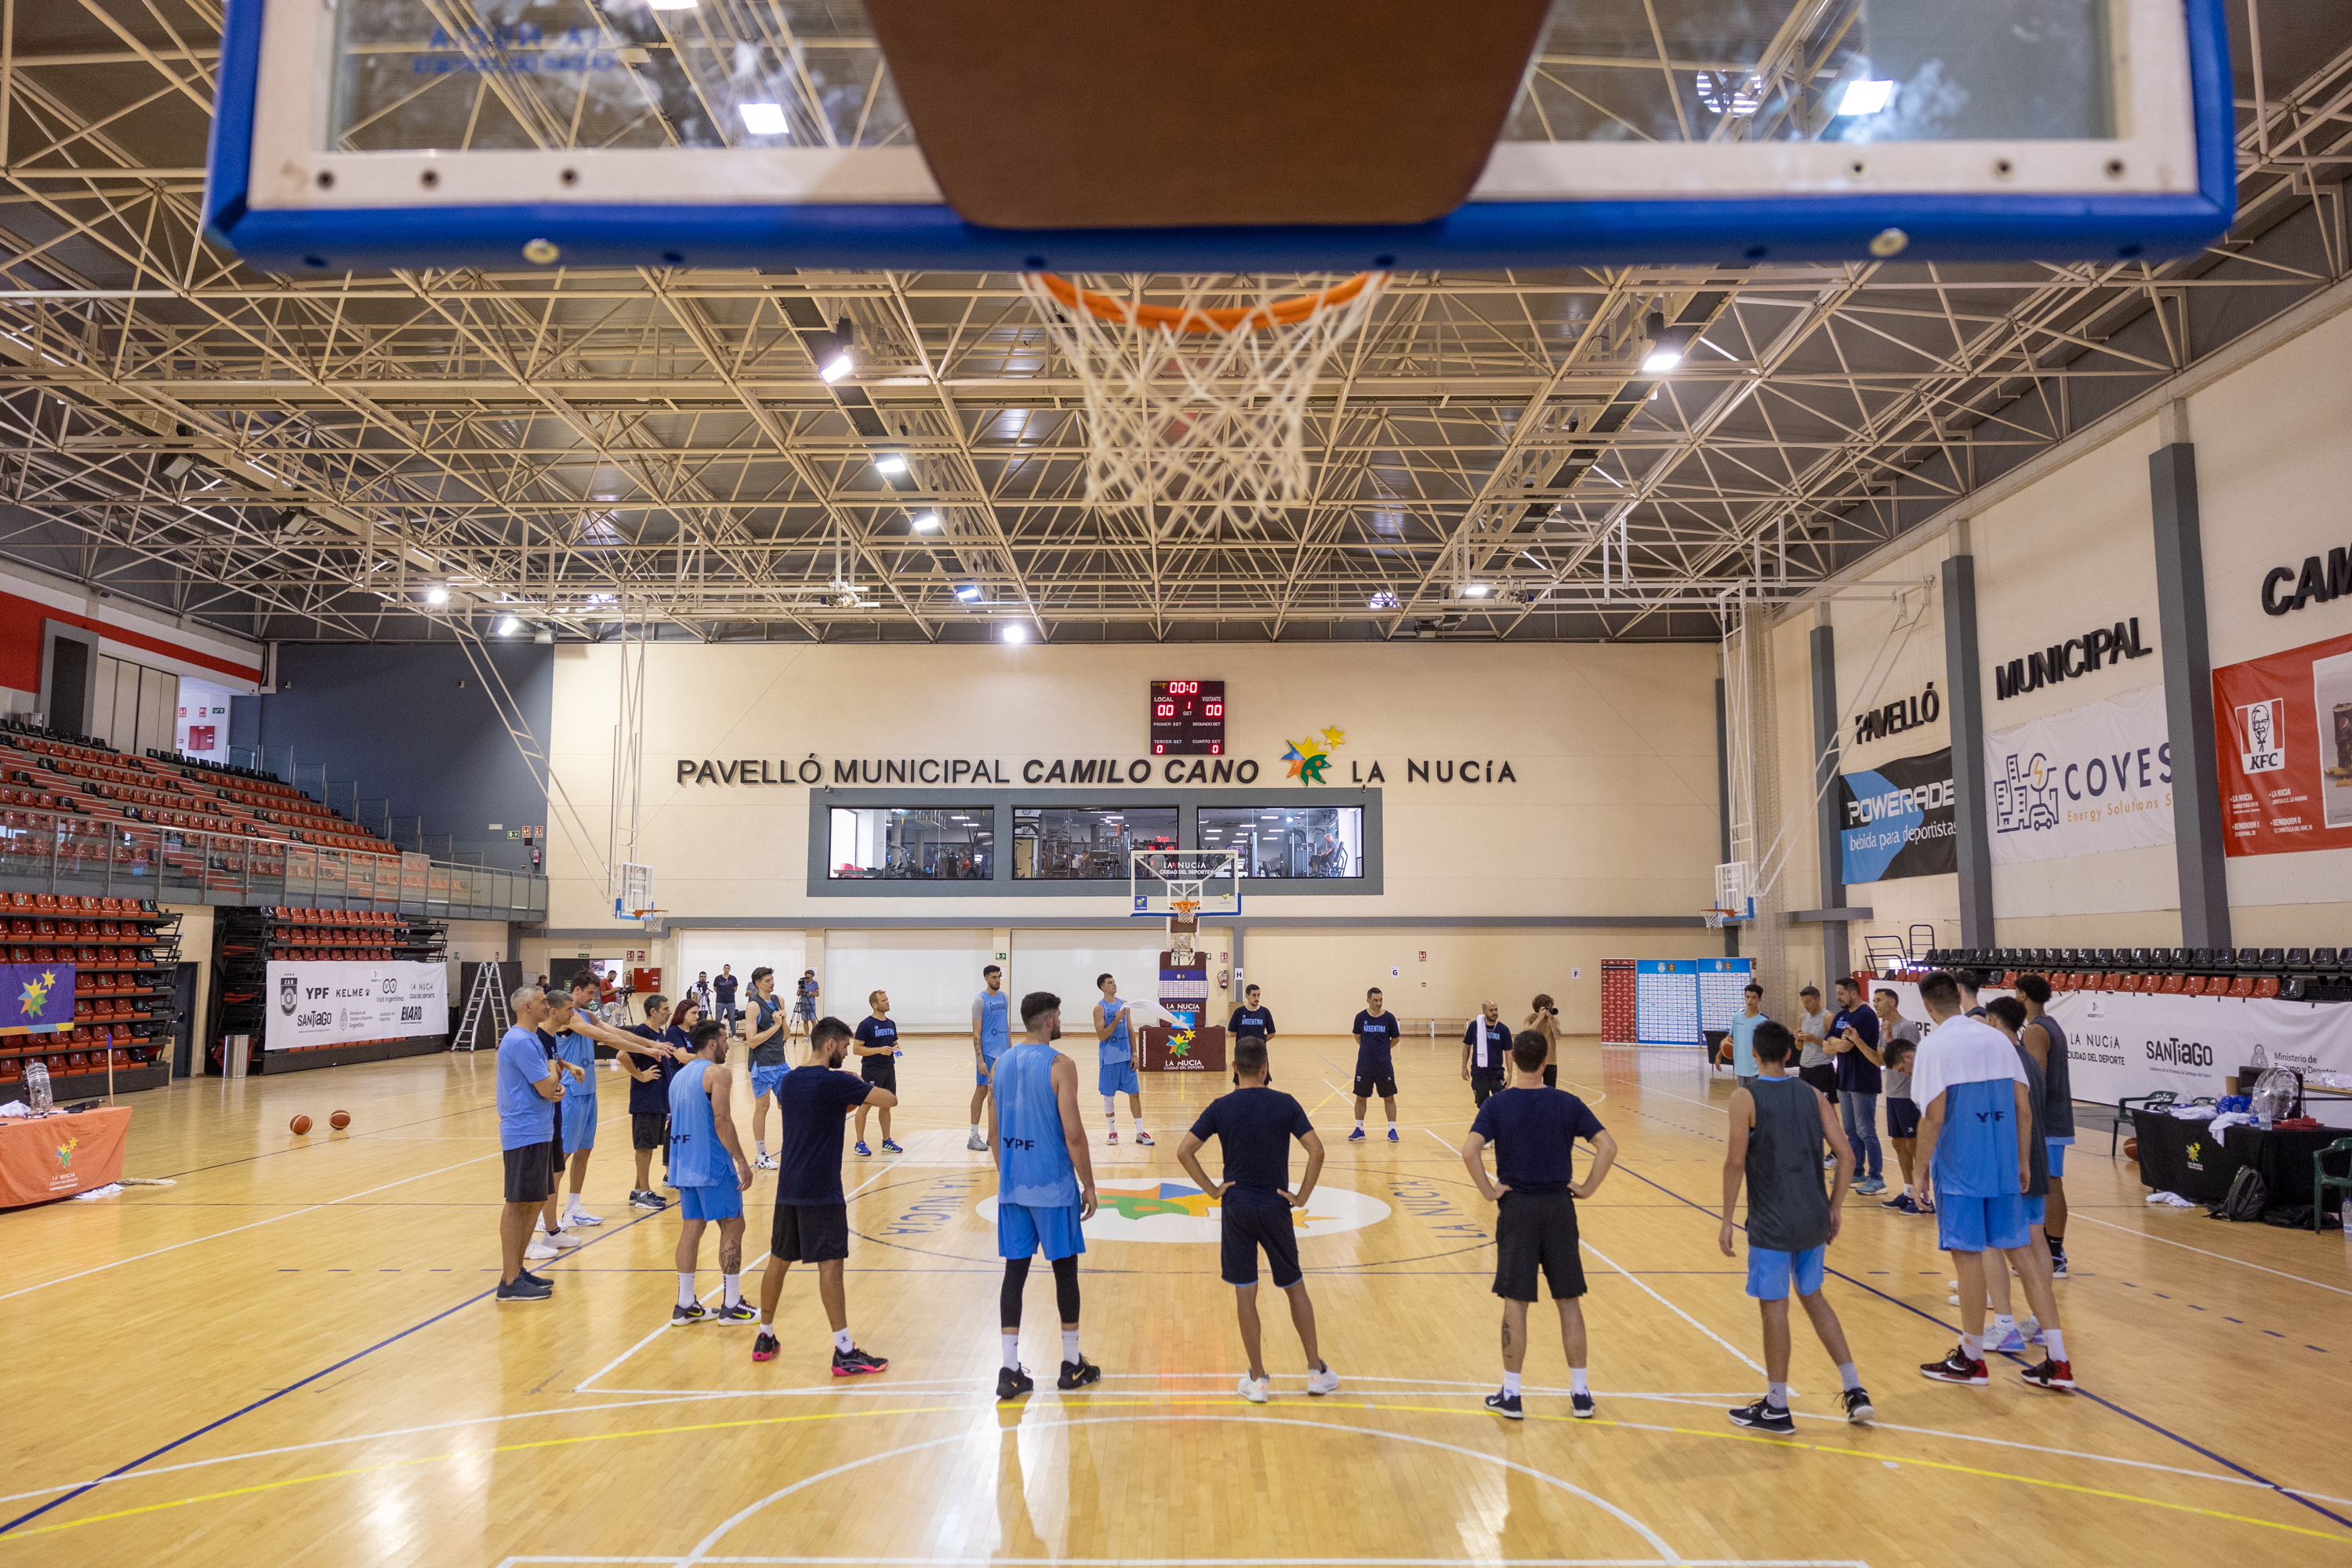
339 1119
2131 1149
300 1125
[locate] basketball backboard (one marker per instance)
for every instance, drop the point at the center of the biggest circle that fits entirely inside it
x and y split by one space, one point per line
1061 135
1161 881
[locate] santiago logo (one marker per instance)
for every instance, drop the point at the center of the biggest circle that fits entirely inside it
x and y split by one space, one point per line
1179 1212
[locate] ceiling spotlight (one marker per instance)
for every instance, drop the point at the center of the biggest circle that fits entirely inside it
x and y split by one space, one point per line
509 625
969 592
1476 591
1016 632
1666 343
890 463
436 594
924 521
764 119
834 368
671 5
1661 358
1866 98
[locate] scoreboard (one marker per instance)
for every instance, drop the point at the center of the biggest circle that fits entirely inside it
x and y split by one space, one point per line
1188 718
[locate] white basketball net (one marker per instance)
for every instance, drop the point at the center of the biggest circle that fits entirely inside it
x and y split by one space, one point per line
1199 427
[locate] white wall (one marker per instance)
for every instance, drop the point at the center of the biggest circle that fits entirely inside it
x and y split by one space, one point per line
929 975
1066 961
695 950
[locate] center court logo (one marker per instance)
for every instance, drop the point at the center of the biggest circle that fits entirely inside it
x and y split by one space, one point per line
1180 1212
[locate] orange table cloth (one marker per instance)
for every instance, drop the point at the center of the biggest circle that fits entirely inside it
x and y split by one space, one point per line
48 1157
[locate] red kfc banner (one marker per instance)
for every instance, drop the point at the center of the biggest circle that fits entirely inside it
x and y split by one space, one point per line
2282 725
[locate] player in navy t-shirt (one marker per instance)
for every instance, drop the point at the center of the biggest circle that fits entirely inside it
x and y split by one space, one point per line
649 1072
1375 1030
1256 1123
1534 1131
1256 1019
811 1223
878 1063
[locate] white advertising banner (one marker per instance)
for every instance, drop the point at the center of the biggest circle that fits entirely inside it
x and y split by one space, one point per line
2122 1042
2092 779
340 1004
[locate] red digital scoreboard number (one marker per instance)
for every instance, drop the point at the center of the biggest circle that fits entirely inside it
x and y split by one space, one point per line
1188 718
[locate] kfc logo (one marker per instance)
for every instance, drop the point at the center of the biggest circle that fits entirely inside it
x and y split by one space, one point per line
2261 750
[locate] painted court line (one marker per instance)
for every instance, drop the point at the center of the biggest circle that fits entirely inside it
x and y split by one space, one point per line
2184 1246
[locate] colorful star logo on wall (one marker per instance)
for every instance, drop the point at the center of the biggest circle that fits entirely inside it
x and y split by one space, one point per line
35 999
1310 759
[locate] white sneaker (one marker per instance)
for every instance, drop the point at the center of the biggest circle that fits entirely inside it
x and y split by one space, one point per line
565 1240
540 1250
1324 1382
582 1217
976 1143
764 1163
1252 1389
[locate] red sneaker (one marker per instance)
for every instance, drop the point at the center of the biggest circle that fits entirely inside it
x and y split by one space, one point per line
2055 1375
1958 1367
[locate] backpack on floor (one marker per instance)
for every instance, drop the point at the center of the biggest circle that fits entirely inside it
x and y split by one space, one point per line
2248 1197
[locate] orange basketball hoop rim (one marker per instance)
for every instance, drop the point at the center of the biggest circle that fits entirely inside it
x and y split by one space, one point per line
1183 908
1198 319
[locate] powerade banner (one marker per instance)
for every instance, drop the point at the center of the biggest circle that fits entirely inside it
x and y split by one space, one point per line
341 1003
2084 782
1895 820
36 999
2282 725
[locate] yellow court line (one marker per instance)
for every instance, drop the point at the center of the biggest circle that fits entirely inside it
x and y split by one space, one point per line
1149 1401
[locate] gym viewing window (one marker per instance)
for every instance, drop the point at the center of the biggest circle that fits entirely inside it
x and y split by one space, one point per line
912 844
1085 843
1296 842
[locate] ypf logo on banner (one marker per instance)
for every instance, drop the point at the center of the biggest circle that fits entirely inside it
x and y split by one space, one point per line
2260 748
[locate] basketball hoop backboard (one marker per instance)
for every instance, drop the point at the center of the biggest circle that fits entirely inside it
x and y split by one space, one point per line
1160 880
573 132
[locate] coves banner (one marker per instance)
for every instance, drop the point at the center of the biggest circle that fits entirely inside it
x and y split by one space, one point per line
1895 819
2091 779
2282 725
341 1004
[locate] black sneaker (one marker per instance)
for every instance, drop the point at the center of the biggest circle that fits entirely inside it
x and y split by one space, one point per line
1078 1373
1580 1406
1011 1383
856 1364
524 1287
652 1202
1764 1416
1857 1405
2058 1375
740 1312
764 1348
680 1316
2058 1265
1957 1367
536 1279
1506 1406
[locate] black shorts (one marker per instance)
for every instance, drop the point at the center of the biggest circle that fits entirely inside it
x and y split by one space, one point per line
555 1148
530 1177
1901 1116
1823 1078
810 1233
1482 1084
1536 1232
1551 1075
1254 1217
1375 1077
648 1130
882 1072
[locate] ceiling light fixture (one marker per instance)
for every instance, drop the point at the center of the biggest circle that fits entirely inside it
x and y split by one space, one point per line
1866 98
969 592
924 521
1476 591
1016 633
890 463
1666 343
509 625
764 119
436 594
834 369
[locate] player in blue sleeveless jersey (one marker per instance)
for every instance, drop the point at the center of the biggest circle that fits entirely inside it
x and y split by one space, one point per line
1116 1044
992 1031
1045 1185
1974 1158
705 1161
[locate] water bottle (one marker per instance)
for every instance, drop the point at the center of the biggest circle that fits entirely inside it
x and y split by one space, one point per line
37 1087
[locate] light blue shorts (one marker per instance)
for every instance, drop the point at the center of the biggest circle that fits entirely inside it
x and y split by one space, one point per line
1022 1231
2057 1147
1769 1272
1980 1225
2035 1209
711 1202
764 1080
1119 1078
578 1120
980 1075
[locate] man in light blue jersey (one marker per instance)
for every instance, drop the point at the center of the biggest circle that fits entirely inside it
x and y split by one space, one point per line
1974 1161
1116 1041
992 1031
528 1083
706 1163
1045 1185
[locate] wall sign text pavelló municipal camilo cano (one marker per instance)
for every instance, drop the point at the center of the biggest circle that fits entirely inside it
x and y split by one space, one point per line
815 771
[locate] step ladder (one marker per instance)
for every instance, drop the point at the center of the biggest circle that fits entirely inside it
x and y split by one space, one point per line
488 995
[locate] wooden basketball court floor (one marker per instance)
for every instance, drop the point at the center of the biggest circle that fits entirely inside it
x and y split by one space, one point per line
292 1356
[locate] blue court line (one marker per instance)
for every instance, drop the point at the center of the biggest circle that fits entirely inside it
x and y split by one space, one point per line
271 1398
2108 1403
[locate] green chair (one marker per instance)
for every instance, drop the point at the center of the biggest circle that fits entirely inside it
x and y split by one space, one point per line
2161 1099
2321 1181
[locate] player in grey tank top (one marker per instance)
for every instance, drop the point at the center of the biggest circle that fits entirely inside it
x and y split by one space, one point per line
2057 1108
1779 1124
